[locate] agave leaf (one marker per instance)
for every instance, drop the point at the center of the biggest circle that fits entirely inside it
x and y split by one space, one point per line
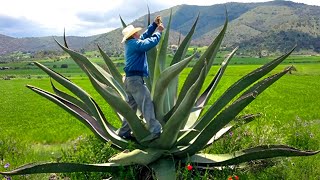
149 19
137 156
214 126
171 95
207 57
164 169
151 58
70 98
62 168
64 38
228 114
204 98
234 90
113 70
119 90
107 133
260 152
121 107
230 127
163 82
161 57
88 101
85 97
181 51
122 22
179 39
74 110
96 70
163 46
169 135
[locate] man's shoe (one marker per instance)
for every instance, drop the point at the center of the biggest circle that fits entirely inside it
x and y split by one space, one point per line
127 135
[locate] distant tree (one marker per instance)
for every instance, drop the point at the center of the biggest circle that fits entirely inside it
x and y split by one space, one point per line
64 66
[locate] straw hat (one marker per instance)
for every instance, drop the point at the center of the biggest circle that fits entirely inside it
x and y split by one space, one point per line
129 31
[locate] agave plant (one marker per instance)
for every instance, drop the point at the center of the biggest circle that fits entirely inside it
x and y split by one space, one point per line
187 128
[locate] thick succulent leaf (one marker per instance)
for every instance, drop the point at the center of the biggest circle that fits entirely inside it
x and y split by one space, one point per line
122 22
205 96
121 107
119 90
70 98
164 169
64 38
160 62
107 133
149 18
76 90
87 66
161 85
88 101
151 58
137 156
171 129
206 58
112 68
163 46
74 110
265 83
171 95
235 89
181 51
213 127
260 152
179 39
230 127
62 168
227 115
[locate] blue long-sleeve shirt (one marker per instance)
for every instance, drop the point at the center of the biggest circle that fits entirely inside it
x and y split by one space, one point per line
136 63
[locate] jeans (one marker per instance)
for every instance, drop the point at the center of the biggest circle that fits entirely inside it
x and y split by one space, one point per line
139 98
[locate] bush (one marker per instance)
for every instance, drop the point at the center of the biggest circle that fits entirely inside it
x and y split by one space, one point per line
64 66
91 150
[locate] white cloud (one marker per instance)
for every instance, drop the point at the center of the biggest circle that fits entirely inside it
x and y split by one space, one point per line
83 17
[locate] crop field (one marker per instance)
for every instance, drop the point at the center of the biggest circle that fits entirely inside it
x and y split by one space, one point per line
34 129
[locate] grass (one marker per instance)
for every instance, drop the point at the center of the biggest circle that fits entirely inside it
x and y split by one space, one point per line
34 129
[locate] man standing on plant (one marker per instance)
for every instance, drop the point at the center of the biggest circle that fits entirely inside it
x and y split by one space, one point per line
136 67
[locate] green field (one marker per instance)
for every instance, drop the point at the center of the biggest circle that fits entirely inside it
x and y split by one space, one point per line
34 129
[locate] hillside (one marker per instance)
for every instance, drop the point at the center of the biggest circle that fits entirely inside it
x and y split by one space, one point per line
271 26
275 26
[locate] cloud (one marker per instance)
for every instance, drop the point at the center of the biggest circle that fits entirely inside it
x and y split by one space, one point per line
79 17
21 27
130 12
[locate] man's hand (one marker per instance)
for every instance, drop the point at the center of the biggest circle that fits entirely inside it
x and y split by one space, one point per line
160 27
158 20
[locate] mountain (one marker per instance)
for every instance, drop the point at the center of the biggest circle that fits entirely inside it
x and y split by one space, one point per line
33 44
271 26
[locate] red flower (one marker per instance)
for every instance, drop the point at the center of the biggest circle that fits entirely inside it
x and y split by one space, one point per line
235 177
189 167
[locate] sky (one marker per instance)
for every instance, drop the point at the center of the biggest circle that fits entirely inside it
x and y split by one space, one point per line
34 18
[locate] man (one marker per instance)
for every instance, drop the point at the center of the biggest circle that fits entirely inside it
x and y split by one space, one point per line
136 67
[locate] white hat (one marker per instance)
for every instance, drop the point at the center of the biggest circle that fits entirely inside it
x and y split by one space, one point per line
129 31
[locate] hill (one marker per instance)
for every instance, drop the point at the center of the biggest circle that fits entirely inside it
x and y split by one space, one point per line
271 26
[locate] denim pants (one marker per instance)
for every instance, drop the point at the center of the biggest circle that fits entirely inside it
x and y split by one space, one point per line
139 98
